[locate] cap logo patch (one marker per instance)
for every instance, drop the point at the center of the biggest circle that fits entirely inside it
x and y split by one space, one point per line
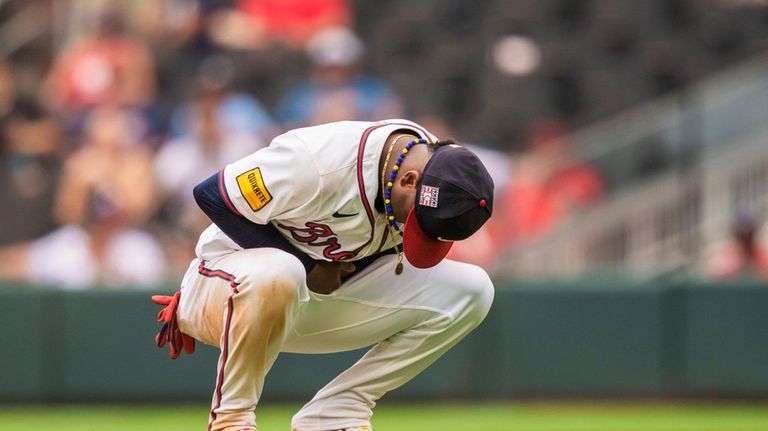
429 195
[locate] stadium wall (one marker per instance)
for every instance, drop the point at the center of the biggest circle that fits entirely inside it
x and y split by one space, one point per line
542 339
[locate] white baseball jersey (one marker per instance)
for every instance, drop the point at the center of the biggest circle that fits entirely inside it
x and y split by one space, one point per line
318 186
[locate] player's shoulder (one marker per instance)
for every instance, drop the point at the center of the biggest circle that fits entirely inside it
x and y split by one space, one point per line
325 139
333 128
347 125
340 136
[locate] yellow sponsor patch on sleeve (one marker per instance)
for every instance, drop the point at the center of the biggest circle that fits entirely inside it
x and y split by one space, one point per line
254 190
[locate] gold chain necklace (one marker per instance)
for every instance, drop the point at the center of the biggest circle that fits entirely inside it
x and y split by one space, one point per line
399 251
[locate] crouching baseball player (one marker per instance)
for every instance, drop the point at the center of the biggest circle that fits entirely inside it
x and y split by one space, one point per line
305 255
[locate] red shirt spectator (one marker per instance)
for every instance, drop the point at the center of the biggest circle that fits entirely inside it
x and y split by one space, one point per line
295 21
545 187
743 256
106 67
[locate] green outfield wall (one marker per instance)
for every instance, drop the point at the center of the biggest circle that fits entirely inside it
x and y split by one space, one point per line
542 339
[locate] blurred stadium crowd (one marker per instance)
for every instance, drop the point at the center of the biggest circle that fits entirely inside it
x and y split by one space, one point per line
111 111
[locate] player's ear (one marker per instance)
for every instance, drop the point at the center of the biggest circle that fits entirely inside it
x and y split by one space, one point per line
410 179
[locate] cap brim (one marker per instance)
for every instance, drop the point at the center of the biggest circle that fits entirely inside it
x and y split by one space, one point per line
421 250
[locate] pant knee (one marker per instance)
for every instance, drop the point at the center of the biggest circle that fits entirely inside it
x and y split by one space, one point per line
273 275
477 294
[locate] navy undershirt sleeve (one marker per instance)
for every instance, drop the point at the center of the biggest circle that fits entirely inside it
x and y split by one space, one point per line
244 232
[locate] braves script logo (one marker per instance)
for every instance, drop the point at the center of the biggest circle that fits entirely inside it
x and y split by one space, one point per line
429 196
317 234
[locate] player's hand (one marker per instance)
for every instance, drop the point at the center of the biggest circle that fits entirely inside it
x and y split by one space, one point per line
170 332
326 277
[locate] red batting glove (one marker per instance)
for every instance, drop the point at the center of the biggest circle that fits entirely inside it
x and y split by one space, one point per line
170 332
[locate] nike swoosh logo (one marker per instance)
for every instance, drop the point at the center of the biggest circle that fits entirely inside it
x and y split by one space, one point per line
340 215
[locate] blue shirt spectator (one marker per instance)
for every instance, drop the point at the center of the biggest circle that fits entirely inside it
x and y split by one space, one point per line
337 89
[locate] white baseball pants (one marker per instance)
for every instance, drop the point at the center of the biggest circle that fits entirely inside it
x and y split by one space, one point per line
254 304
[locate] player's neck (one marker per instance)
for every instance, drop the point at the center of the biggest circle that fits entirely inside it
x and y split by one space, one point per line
400 140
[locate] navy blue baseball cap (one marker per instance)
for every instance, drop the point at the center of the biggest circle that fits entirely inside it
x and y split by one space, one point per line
454 198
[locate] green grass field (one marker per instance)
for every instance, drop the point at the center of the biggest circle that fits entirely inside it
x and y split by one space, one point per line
654 416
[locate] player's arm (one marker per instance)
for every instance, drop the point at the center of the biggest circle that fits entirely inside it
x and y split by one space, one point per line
208 195
322 277
274 183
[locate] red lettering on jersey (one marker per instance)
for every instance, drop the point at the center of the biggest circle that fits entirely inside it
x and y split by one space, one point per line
317 234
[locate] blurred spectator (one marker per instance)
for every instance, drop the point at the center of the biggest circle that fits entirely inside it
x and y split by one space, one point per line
216 127
29 164
7 90
296 21
29 172
338 90
743 255
545 187
255 23
106 66
233 112
179 37
109 178
106 194
76 257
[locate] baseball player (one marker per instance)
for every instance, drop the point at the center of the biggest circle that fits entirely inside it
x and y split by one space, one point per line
305 255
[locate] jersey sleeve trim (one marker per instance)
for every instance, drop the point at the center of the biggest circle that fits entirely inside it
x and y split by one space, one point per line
225 195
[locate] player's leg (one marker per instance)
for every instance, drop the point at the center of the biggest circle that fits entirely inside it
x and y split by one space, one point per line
244 303
414 318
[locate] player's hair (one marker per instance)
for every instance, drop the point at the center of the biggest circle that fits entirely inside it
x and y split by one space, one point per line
439 143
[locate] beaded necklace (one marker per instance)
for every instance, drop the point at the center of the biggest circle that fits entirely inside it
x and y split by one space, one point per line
387 192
